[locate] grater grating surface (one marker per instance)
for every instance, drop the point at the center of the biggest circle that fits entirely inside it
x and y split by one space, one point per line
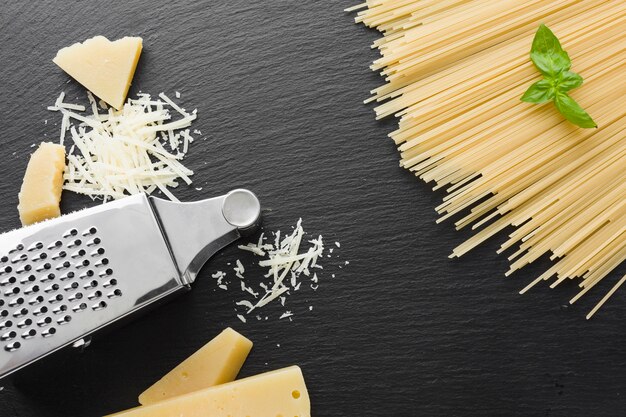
64 279
45 285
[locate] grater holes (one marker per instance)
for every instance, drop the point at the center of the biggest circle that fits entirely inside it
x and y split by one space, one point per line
58 279
43 267
18 248
36 300
49 332
12 347
26 280
8 281
75 296
44 321
55 299
102 262
50 277
99 306
16 302
35 246
91 284
19 258
41 310
63 265
59 255
67 276
25 268
74 243
70 233
52 288
55 245
97 252
94 295
24 323
106 272
40 257
80 307
78 254
91 231
87 274
116 293
29 334
32 290
60 309
5 337
110 283
12 291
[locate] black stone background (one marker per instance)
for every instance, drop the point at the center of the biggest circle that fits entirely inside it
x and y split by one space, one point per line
400 331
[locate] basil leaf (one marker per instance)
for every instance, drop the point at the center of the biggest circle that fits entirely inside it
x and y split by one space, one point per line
554 63
572 111
568 81
547 53
540 92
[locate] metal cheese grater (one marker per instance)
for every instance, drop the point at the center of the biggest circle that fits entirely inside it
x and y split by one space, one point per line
66 278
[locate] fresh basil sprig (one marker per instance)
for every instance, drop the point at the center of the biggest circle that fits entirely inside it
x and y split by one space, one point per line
554 63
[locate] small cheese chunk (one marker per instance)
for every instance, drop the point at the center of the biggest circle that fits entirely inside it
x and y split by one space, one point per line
41 190
217 362
278 393
105 68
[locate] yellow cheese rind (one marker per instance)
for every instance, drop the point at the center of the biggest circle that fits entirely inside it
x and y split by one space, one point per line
105 68
217 362
277 393
40 194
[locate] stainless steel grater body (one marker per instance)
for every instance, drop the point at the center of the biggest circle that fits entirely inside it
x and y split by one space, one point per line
64 279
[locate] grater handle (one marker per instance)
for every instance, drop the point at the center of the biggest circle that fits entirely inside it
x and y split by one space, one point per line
196 231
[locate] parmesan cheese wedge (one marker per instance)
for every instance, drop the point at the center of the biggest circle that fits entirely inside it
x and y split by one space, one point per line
105 68
217 362
40 194
278 393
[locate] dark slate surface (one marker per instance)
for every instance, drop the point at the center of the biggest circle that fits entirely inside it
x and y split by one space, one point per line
401 330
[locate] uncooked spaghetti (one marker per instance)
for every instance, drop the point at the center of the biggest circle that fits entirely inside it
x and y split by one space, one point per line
455 70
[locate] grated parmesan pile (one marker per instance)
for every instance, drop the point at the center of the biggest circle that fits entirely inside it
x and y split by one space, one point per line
288 266
137 149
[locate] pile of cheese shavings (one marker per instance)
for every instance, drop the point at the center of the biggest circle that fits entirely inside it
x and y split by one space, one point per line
286 265
120 152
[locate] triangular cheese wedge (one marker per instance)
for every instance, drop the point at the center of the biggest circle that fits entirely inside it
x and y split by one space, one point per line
217 362
105 68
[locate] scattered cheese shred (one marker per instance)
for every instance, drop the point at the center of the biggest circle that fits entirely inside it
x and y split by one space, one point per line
122 152
287 262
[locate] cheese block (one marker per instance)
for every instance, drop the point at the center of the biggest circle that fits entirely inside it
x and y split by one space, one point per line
217 362
272 394
105 68
40 194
